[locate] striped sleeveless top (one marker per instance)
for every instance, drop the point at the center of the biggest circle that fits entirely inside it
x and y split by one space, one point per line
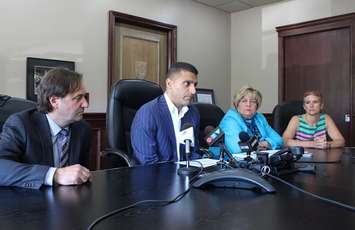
306 132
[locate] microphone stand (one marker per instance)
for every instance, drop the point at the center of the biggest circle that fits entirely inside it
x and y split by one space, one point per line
248 157
222 163
188 170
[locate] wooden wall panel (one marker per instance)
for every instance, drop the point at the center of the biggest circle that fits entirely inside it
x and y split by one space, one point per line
97 122
268 117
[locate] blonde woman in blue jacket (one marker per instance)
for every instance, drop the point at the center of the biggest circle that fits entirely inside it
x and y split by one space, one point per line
244 117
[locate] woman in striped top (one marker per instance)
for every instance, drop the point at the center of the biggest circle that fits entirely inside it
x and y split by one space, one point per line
311 129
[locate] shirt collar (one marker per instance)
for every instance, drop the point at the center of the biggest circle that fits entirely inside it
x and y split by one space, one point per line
55 129
172 107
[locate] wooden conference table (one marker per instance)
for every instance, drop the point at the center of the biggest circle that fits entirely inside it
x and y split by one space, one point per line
75 207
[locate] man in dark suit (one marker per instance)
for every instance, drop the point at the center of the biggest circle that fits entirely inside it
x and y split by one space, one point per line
48 145
157 123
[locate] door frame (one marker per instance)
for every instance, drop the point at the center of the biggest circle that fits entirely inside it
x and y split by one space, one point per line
325 24
115 19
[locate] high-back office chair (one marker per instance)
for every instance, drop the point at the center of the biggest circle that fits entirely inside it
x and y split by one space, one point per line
283 113
10 105
210 115
126 98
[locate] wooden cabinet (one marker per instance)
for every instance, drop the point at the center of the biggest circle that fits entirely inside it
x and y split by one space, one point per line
97 121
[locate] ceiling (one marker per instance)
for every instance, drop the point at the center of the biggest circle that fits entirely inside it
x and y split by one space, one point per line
235 5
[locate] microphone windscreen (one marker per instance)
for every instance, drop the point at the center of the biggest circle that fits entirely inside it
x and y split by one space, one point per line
208 129
186 133
243 136
186 126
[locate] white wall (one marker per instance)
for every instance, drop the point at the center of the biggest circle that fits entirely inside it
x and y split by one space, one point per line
254 42
77 30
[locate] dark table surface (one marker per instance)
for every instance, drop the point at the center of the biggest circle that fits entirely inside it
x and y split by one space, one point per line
75 207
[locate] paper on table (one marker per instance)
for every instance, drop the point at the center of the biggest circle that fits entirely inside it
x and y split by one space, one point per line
241 156
206 162
307 154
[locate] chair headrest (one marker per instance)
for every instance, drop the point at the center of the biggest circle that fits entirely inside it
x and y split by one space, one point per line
10 105
206 107
4 99
133 93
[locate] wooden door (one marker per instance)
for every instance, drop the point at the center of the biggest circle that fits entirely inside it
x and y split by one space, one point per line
318 55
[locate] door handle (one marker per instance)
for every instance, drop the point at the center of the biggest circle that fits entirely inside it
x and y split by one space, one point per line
347 118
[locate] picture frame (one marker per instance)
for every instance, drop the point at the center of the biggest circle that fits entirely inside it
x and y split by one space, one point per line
37 68
139 48
204 96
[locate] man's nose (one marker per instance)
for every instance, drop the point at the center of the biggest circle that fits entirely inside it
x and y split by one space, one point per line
193 89
85 103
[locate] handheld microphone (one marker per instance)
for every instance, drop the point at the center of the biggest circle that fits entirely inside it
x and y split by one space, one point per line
187 137
247 144
214 136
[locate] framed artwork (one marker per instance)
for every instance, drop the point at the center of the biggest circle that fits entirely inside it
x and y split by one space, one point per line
37 68
204 96
139 48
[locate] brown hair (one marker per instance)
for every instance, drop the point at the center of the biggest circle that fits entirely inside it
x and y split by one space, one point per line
57 82
314 93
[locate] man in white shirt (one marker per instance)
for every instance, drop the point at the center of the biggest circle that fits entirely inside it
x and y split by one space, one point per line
157 124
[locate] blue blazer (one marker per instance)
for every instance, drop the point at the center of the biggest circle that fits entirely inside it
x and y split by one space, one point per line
152 133
232 124
26 149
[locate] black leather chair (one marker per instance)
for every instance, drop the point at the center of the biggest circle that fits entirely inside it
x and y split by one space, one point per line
210 115
282 114
126 98
10 105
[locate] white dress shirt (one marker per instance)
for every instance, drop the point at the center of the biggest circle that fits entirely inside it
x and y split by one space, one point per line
176 117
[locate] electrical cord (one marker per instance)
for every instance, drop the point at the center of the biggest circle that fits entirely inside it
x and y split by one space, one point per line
348 207
158 202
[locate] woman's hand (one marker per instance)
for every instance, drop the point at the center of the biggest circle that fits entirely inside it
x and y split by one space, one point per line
321 143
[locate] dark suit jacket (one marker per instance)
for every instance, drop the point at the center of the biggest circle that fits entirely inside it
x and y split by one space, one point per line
26 149
152 133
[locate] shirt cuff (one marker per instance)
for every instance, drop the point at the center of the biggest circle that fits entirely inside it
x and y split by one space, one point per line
49 176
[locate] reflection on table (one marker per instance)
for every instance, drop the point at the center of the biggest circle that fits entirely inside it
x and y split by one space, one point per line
75 207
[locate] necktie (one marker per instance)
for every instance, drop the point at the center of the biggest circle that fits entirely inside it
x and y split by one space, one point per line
63 147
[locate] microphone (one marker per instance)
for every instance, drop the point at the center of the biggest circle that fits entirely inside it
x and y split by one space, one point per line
186 136
213 136
208 129
216 136
247 143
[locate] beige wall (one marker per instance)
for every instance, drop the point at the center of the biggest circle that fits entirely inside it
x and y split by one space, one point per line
229 50
254 40
77 30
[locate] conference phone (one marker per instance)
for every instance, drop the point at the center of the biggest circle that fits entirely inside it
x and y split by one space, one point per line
234 178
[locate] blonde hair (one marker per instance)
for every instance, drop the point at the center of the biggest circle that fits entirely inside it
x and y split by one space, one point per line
247 90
